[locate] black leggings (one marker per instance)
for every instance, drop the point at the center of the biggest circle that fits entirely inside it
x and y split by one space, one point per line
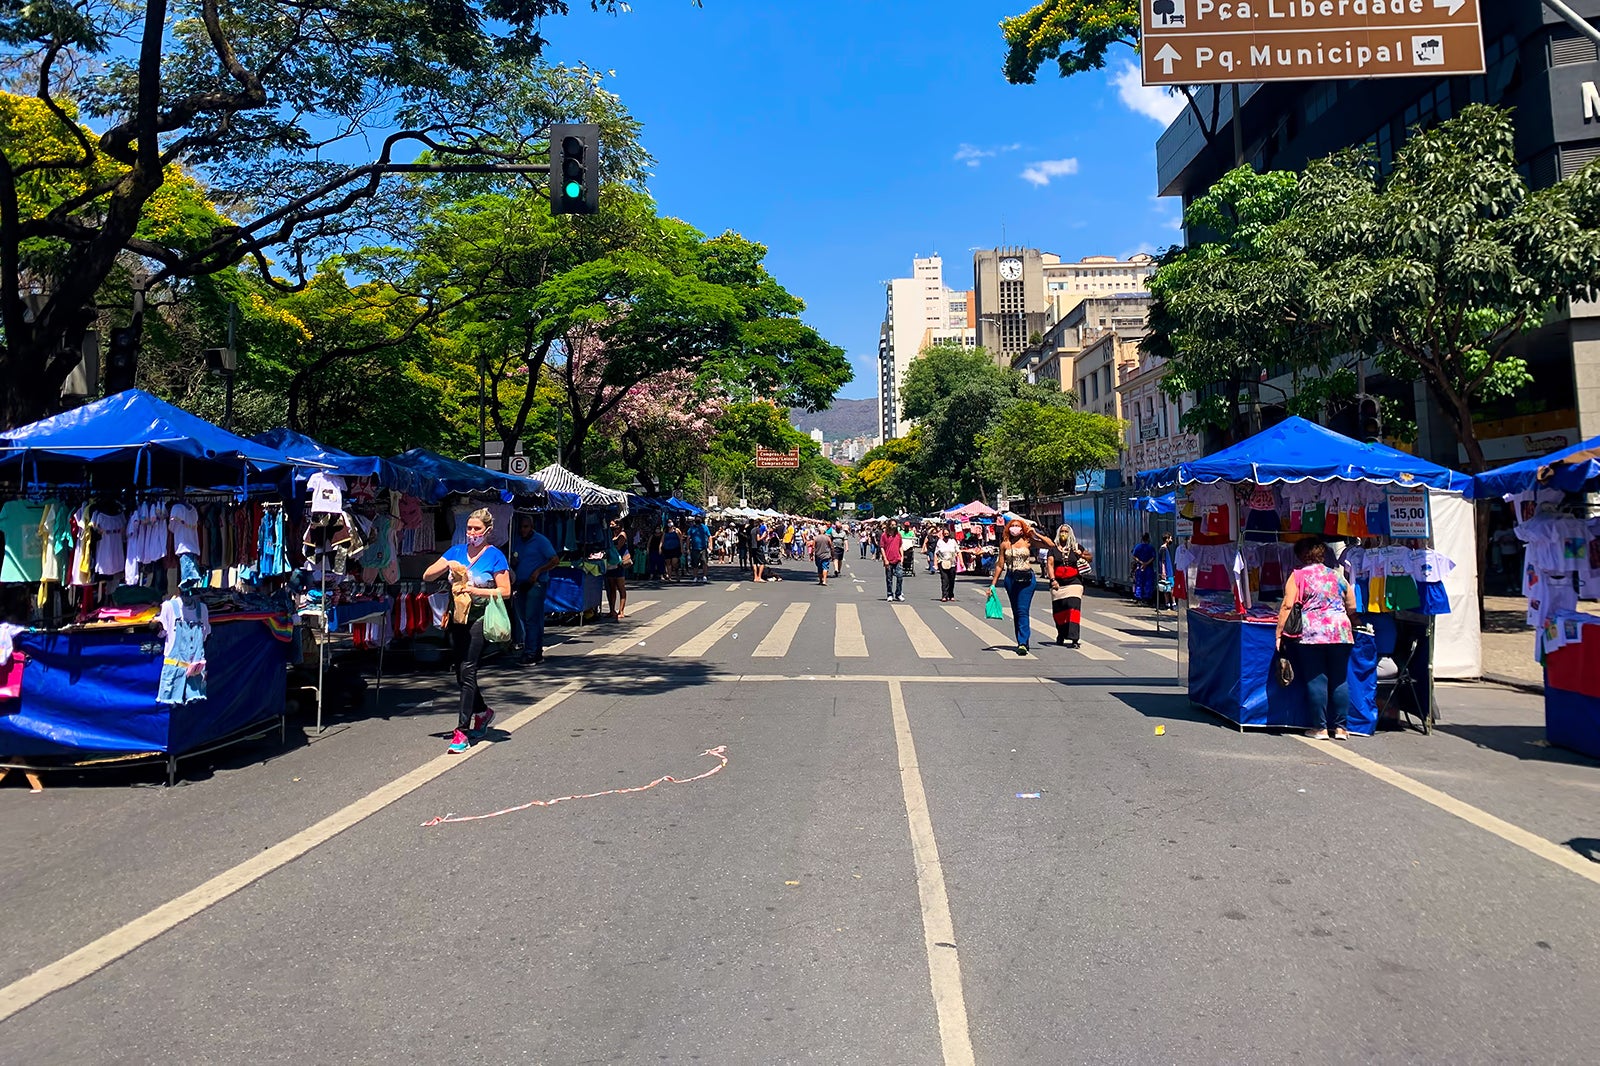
467 643
947 582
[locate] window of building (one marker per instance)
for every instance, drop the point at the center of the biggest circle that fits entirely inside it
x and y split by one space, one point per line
1318 101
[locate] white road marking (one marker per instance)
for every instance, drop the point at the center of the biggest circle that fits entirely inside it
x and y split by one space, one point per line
100 953
733 587
703 642
922 638
981 629
938 929
1511 834
623 643
848 640
775 644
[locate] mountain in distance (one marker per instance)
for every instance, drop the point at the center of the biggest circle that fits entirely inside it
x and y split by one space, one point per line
844 420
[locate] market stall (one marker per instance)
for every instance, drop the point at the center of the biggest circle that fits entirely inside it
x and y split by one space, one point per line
1561 570
1402 528
142 584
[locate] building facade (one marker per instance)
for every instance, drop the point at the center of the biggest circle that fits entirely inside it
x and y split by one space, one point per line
1105 362
1056 356
1067 284
919 312
1536 64
1153 438
1009 300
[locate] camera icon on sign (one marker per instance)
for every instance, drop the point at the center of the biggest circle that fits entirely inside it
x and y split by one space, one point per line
1427 51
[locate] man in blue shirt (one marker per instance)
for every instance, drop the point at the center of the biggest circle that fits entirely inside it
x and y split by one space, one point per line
532 559
699 547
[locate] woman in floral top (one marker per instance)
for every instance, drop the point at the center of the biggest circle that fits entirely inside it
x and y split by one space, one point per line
1322 653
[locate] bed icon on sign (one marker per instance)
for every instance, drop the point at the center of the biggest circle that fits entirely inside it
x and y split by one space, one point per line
1168 12
1427 51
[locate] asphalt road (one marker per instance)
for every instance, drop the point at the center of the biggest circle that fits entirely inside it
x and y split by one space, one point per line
870 879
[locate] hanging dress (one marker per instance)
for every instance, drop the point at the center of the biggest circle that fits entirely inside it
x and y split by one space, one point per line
183 667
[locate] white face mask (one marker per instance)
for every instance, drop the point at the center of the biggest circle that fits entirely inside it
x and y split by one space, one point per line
1015 532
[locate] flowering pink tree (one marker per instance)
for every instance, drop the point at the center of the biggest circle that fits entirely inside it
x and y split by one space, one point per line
664 425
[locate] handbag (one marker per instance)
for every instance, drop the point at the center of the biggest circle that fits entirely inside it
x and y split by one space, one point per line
496 622
992 607
1295 623
1085 566
1283 671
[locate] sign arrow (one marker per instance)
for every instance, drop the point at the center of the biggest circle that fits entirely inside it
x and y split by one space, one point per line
1169 55
1453 5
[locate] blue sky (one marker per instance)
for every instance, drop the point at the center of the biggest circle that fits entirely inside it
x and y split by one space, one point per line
851 136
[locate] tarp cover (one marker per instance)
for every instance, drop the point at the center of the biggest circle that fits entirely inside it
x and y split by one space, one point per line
441 477
389 475
1520 477
1297 450
685 506
1167 504
975 509
555 476
134 427
96 692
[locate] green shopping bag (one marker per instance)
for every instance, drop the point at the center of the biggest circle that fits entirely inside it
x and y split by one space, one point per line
496 622
992 608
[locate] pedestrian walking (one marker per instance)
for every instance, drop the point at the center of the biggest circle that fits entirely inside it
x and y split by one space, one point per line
758 553
742 542
946 555
1166 573
699 536
1015 567
1144 569
889 551
822 552
532 559
862 536
1069 562
1321 652
478 573
618 558
908 548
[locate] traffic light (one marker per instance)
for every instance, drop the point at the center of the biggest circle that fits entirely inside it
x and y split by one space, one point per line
574 168
122 360
1369 416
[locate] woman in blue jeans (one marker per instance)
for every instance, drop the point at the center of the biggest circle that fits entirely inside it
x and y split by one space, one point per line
1015 567
1321 654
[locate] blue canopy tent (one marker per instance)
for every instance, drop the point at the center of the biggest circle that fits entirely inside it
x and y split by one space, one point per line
158 443
389 475
1570 469
1167 504
1296 450
440 477
685 506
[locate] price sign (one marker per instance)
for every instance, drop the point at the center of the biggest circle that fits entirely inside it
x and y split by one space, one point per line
1408 514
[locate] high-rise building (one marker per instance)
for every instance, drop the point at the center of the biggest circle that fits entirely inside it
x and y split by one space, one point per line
919 312
1547 73
1010 301
1065 284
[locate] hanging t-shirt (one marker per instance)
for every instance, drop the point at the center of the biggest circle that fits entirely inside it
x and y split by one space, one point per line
55 529
109 553
1428 565
327 493
24 547
184 523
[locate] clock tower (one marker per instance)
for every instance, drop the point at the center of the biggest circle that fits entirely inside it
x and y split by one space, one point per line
1010 297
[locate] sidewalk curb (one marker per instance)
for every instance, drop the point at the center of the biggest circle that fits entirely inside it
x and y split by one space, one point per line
1535 687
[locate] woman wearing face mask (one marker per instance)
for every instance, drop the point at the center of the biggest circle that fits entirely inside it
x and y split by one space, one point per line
478 573
1068 561
1015 567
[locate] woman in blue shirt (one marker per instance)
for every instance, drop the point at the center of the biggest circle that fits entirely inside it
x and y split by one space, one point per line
478 573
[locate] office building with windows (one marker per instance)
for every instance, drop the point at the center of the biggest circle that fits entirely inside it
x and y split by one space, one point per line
1537 65
919 312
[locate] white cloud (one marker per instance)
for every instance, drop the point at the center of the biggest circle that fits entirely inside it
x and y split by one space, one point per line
972 155
1148 100
1042 172
1145 248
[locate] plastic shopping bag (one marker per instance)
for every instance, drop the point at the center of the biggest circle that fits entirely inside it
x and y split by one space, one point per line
992 608
496 622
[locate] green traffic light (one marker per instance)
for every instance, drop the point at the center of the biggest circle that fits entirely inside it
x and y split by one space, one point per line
574 190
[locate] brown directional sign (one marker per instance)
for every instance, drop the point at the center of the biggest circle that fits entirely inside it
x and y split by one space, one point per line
767 459
1194 42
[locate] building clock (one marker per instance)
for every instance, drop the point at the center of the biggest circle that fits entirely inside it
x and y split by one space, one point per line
1011 269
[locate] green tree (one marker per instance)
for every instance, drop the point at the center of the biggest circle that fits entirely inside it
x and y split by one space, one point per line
1440 268
259 102
1043 448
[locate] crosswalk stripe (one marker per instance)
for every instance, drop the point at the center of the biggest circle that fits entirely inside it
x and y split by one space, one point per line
623 643
979 628
733 586
703 642
923 639
1114 634
775 645
848 640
